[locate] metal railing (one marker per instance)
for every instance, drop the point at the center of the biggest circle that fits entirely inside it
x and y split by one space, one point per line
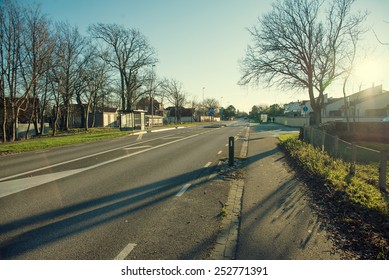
349 152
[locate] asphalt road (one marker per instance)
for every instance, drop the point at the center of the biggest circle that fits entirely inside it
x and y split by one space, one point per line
147 196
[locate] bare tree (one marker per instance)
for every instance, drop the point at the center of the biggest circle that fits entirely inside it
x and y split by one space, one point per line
379 40
194 105
175 95
71 57
129 52
12 25
95 77
211 103
2 77
39 48
293 48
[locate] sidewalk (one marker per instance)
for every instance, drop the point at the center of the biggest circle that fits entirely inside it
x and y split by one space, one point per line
276 221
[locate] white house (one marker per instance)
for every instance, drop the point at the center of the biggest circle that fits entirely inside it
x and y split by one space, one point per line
368 105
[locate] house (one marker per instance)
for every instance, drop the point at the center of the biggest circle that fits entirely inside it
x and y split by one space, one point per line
102 117
105 117
146 103
182 115
369 103
293 109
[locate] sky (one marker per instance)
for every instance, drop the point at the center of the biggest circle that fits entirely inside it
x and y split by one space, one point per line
200 43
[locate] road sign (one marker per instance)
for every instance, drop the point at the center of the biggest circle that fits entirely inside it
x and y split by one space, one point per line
212 112
305 109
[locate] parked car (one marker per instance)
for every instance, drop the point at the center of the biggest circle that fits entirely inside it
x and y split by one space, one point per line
385 119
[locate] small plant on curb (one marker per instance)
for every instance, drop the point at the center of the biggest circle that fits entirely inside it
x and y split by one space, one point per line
223 210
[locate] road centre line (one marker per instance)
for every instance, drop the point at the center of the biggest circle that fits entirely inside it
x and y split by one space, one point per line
138 147
125 252
172 137
183 190
80 158
18 185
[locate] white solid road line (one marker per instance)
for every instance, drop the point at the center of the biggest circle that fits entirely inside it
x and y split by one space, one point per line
172 137
14 186
125 252
18 185
88 156
183 190
137 147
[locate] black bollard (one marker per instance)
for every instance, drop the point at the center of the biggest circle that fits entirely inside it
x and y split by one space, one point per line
231 151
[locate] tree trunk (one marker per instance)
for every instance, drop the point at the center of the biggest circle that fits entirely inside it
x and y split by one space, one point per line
317 116
86 119
43 110
56 111
346 105
66 117
4 122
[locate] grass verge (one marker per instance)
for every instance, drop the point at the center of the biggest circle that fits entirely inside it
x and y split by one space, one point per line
63 139
352 206
335 174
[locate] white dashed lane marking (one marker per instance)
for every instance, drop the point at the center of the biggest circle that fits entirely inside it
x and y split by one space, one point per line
183 190
125 252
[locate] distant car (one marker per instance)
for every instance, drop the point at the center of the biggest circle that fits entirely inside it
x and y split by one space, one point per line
385 119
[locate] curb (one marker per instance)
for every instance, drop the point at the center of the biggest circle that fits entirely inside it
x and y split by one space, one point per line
227 240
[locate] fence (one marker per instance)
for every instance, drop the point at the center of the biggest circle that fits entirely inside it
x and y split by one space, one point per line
349 152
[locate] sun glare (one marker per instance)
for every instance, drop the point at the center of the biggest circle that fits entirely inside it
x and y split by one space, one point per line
369 71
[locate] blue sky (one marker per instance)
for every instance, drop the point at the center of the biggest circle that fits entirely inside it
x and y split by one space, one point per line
199 42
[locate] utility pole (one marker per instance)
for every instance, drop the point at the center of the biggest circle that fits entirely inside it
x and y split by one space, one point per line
151 95
203 113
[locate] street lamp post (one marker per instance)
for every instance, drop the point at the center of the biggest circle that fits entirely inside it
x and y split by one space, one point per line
221 109
152 96
203 103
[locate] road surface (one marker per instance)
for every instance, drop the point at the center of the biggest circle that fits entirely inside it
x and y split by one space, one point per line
147 196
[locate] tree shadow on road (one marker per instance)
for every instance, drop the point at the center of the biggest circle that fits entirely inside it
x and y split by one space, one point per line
279 213
39 230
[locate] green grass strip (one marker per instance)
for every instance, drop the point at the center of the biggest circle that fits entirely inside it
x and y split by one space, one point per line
360 189
74 137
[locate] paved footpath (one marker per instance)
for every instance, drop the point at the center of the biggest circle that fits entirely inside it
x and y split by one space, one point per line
269 217
276 221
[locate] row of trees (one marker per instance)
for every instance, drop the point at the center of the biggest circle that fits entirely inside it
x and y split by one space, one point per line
299 45
46 67
271 111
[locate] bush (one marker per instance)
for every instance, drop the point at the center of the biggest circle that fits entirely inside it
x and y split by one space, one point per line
334 173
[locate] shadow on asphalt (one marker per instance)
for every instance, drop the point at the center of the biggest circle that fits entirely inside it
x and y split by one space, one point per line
286 203
68 221
65 222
